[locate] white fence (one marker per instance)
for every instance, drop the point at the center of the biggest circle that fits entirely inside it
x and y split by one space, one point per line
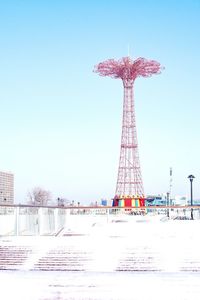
32 220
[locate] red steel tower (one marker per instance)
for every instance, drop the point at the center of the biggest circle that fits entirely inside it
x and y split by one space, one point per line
129 180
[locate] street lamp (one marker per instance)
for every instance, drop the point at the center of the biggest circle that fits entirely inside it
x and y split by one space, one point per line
191 177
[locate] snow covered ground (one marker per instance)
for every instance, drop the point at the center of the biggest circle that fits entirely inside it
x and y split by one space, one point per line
128 258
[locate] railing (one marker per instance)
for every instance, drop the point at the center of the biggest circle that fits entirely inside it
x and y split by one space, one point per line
53 220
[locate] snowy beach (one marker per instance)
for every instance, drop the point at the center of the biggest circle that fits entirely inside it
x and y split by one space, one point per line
138 257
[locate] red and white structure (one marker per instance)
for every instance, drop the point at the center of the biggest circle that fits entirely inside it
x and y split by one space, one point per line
129 180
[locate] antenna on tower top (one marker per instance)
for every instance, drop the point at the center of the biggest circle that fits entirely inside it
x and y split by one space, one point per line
128 50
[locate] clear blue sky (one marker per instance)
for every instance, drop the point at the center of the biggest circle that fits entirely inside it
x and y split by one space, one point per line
60 123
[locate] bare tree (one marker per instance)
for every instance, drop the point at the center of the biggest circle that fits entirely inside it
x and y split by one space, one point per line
39 196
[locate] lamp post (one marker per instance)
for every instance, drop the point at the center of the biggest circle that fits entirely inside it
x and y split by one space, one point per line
191 177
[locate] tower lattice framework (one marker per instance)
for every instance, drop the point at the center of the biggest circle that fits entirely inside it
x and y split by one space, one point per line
129 179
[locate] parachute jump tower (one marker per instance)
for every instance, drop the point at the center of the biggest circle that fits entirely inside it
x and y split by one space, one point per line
129 180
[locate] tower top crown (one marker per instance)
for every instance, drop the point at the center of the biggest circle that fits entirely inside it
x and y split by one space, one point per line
126 68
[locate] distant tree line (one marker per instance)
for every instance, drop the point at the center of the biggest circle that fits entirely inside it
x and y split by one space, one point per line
39 196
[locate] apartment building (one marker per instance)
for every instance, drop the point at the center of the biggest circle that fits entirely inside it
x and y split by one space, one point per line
6 188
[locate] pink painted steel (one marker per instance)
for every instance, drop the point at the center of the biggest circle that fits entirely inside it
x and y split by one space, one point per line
129 180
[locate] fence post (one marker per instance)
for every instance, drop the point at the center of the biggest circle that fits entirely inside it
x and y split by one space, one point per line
56 220
40 220
108 212
17 220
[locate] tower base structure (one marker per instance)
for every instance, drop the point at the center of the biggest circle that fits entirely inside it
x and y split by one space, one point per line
128 201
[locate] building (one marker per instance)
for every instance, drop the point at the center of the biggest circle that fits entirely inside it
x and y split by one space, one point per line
6 188
156 200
